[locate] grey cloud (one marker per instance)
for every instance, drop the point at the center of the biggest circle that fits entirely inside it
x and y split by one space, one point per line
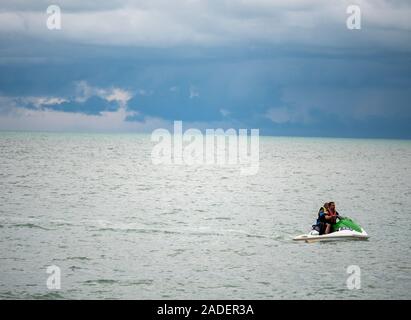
160 23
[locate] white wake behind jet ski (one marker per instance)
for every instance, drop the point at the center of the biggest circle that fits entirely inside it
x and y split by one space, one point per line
344 229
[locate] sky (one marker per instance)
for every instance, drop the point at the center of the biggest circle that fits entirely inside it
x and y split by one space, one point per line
288 68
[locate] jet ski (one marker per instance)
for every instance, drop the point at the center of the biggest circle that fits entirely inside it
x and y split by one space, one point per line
344 229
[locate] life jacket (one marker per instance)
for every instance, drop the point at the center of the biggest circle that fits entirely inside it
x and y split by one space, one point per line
320 223
321 214
334 215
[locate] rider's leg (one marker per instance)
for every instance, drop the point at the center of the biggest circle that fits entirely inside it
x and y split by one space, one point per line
328 228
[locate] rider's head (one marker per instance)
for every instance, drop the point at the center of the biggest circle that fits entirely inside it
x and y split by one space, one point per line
331 206
326 205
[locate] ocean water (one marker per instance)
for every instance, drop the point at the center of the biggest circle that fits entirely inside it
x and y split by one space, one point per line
119 227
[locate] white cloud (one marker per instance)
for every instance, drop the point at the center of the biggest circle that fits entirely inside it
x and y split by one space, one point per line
20 118
14 114
8 103
84 91
40 102
119 95
51 120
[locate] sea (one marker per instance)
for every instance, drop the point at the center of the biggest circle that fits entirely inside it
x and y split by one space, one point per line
89 216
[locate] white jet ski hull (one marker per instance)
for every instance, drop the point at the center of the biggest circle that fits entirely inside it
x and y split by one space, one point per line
337 235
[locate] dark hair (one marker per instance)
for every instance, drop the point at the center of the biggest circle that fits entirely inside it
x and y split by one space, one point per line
331 202
326 205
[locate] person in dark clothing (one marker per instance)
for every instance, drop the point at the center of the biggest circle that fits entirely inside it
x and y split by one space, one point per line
321 224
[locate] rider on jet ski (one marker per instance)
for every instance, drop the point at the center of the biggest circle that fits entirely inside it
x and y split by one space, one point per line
327 216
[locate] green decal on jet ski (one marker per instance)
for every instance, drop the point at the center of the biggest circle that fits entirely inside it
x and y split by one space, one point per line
346 224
